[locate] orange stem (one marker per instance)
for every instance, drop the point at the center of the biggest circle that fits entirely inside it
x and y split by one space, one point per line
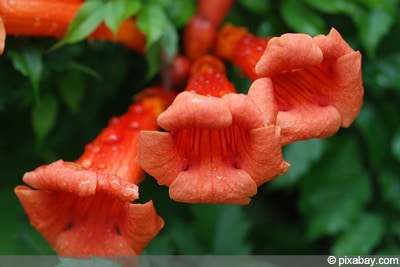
51 18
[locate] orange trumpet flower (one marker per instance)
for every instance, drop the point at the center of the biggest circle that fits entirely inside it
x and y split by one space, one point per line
52 17
220 146
85 207
317 81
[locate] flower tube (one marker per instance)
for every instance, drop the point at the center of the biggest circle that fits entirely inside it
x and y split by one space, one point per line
85 207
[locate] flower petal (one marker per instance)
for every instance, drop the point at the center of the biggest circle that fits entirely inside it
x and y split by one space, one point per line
73 178
348 97
194 110
159 157
332 45
308 122
288 52
213 185
262 157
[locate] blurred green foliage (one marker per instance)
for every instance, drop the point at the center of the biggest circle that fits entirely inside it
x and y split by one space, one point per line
341 195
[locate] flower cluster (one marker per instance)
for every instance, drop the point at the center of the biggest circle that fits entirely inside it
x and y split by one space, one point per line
216 145
222 145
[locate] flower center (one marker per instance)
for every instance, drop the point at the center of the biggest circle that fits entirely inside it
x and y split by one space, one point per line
302 88
212 147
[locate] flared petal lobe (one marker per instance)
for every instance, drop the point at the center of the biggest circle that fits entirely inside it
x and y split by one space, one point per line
82 213
214 152
317 84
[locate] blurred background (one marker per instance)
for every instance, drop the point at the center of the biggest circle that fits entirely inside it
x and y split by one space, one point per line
341 195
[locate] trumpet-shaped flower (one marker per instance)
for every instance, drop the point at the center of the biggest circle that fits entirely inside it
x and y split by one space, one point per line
317 81
220 146
85 207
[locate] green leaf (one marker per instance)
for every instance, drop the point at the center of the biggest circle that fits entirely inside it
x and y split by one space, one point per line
337 6
118 10
301 18
44 116
170 41
375 133
390 188
362 237
256 6
152 21
231 231
222 228
88 18
153 59
383 75
72 89
28 61
186 241
180 11
336 191
301 155
373 26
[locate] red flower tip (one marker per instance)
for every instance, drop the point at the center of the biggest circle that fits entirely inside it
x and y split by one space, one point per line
208 78
317 83
81 212
226 40
219 149
176 73
247 53
243 49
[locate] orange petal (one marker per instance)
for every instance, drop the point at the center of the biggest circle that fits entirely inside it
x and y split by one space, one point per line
269 162
348 97
332 45
288 52
194 110
213 185
158 155
308 122
72 178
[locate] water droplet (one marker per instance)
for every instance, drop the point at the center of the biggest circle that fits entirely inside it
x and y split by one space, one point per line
101 166
134 125
86 163
136 108
111 139
220 177
96 149
114 120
